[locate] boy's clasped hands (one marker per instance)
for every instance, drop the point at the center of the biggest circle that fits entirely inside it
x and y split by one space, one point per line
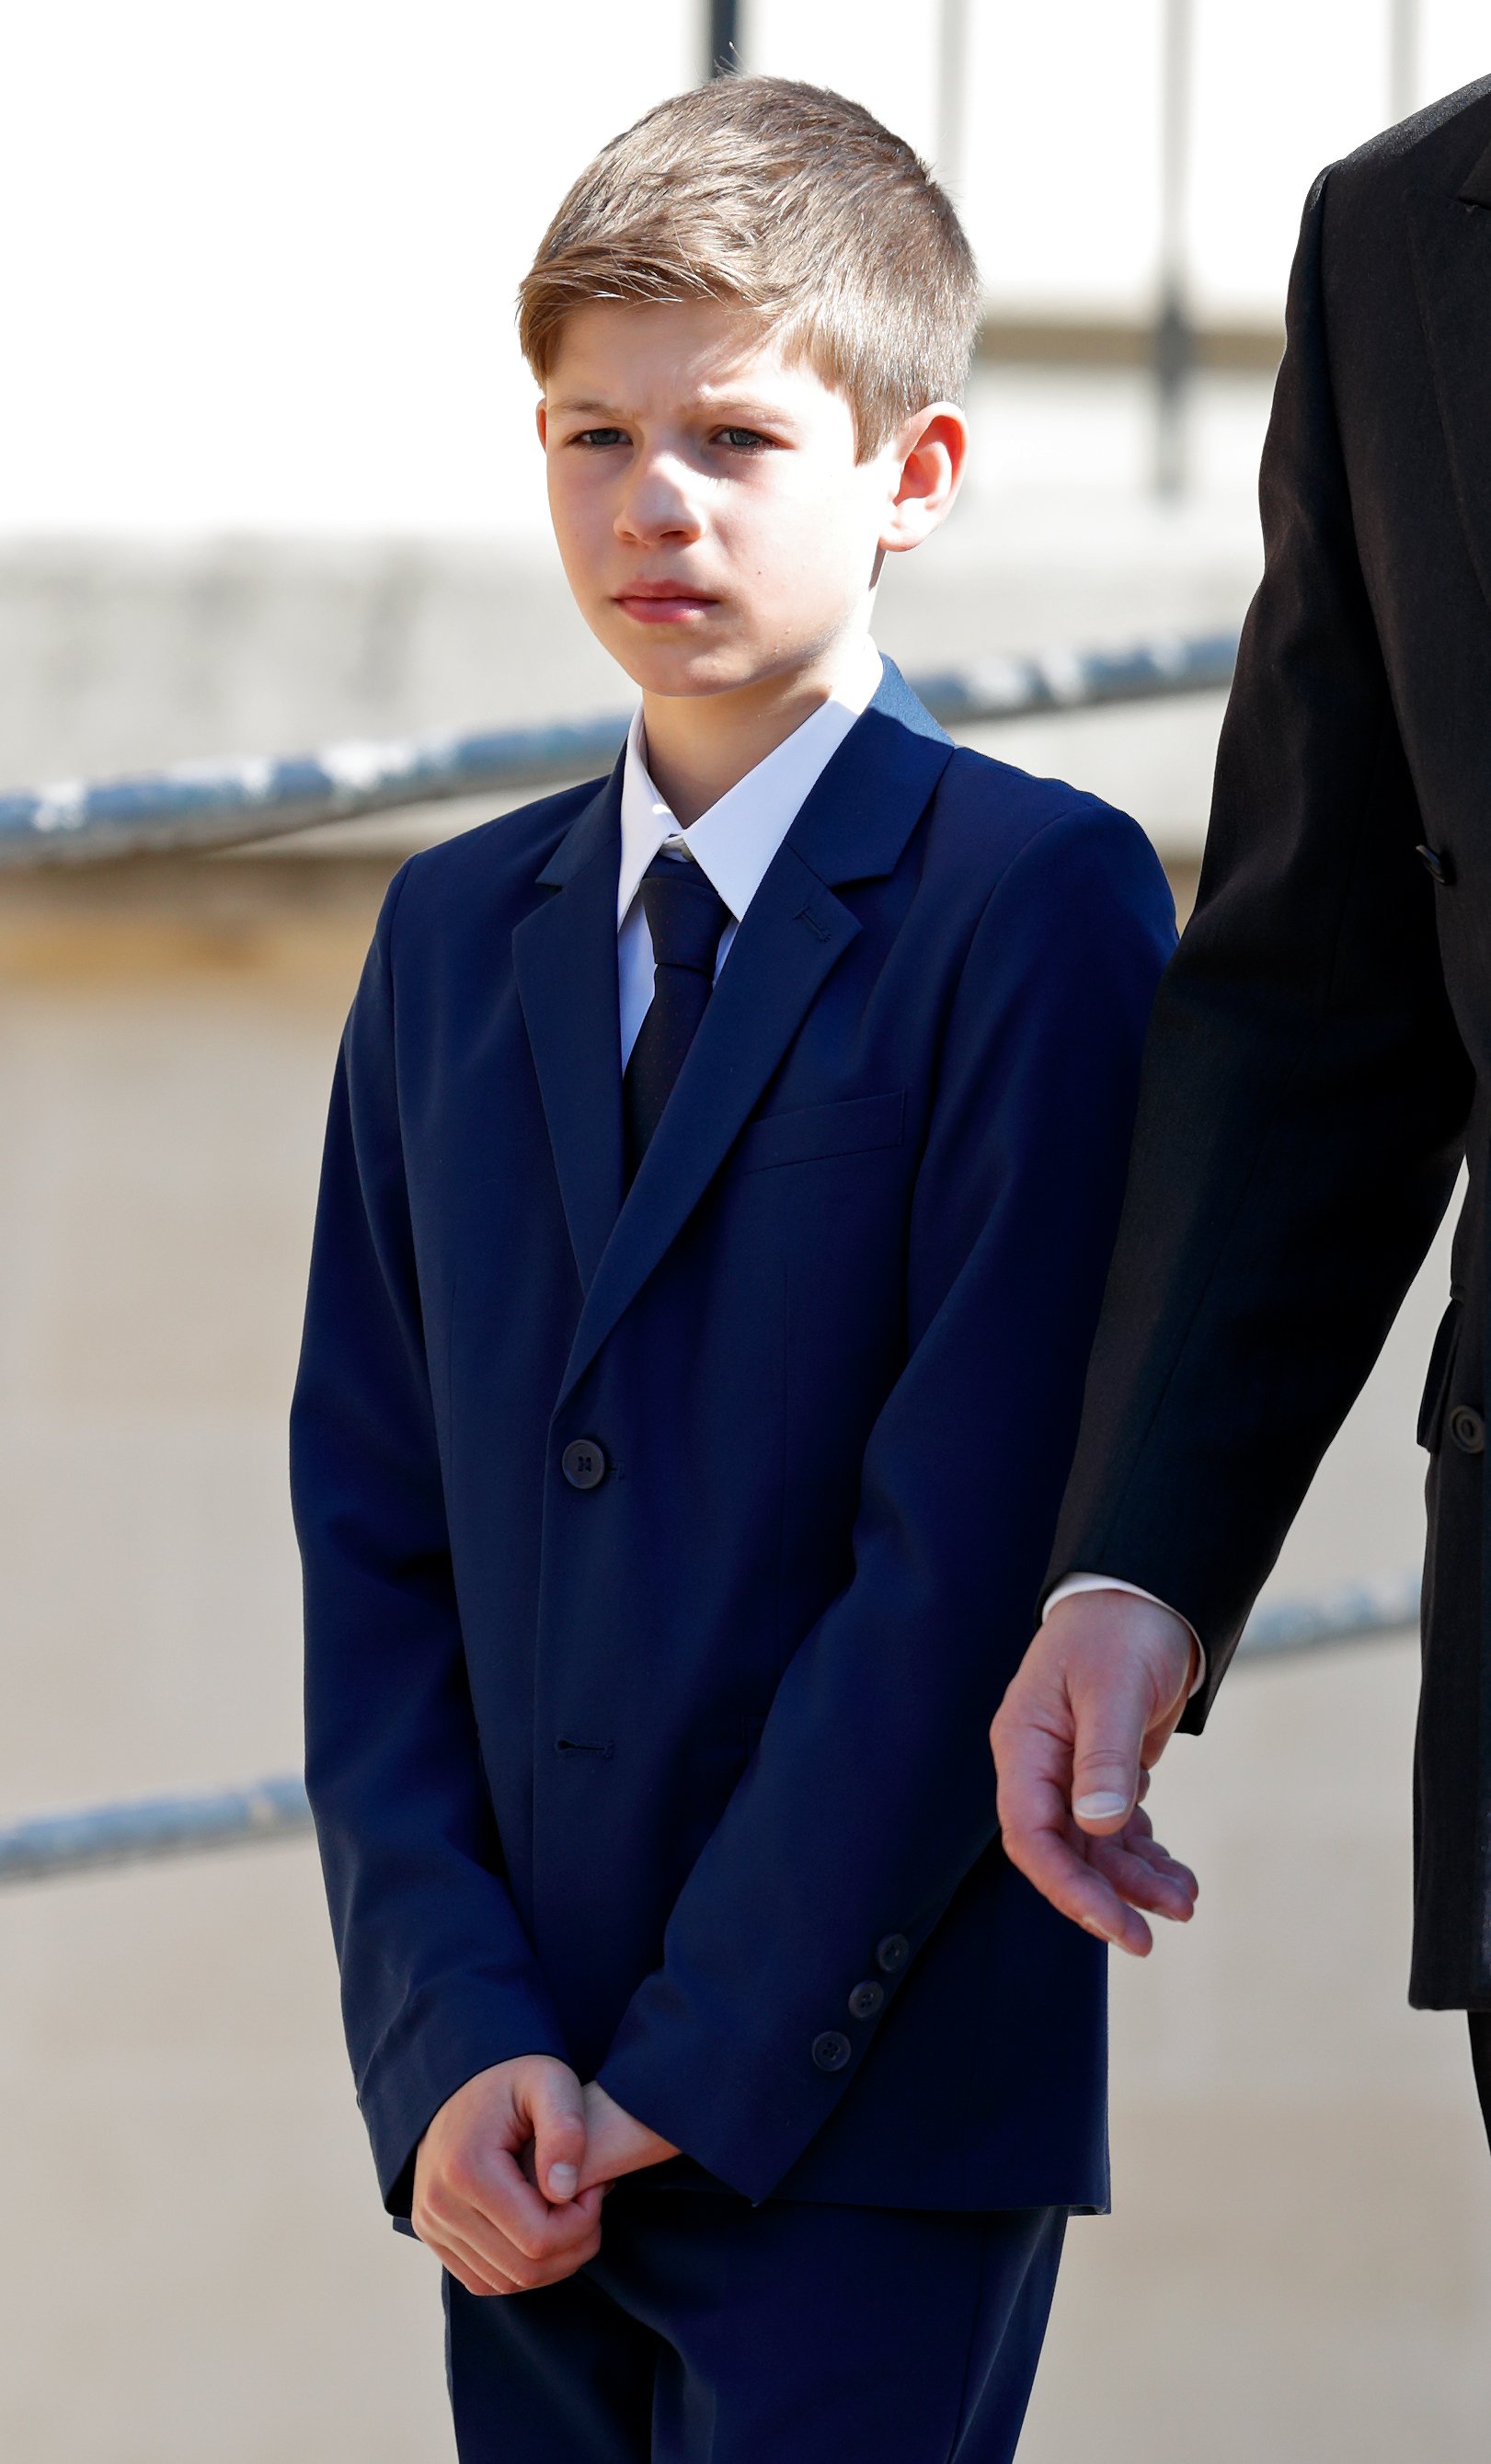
510 2175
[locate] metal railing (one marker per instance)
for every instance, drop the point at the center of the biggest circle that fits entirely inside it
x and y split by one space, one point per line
206 804
151 1828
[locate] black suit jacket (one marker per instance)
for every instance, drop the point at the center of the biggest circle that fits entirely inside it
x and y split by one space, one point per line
1321 1053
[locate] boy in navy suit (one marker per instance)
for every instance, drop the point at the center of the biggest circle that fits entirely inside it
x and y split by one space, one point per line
722 1174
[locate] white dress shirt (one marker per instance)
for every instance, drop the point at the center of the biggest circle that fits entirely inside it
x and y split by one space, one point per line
733 843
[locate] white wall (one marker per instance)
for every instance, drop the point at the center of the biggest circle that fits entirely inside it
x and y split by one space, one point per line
260 262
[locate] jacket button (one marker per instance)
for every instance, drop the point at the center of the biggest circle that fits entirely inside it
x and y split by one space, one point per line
866 1999
1438 864
584 1463
831 2050
892 1953
1468 1430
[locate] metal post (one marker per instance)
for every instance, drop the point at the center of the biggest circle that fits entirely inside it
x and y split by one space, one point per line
1402 57
1174 340
722 33
951 93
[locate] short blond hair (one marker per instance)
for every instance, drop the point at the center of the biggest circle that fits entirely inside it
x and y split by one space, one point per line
792 203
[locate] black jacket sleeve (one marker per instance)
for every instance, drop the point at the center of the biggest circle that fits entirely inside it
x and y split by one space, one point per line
1305 1089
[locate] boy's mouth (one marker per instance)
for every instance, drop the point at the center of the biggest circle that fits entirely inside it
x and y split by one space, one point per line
663 603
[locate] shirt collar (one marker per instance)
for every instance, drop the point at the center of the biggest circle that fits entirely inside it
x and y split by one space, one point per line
733 843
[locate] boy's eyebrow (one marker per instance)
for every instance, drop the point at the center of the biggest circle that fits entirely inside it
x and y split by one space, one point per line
750 411
749 408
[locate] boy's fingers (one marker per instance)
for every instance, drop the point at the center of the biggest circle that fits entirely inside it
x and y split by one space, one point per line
484 2247
470 2267
536 2229
465 2245
557 2112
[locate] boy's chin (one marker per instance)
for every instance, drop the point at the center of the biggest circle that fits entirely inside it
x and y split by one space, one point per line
682 675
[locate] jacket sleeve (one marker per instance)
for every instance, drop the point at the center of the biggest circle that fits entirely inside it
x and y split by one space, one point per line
1305 1090
438 1979
871 1795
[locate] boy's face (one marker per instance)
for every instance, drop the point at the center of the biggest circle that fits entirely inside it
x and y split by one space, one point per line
715 526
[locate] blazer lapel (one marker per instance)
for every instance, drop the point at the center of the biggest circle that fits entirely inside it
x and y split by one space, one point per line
564 956
1452 266
852 827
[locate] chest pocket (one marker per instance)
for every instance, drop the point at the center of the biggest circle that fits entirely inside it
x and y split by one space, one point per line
856 1126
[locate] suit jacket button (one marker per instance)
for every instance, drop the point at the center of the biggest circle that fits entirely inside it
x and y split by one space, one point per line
893 1952
1468 1430
584 1463
831 2050
1438 864
867 1999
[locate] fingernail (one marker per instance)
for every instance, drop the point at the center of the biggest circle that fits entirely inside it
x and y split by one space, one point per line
1100 1807
563 2181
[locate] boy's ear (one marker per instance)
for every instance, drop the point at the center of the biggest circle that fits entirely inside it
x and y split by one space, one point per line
926 460
541 420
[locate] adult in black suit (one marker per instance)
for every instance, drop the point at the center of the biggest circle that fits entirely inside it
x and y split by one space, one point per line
1319 1062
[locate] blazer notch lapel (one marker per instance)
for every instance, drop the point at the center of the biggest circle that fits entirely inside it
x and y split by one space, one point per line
854 826
565 957
795 932
1451 268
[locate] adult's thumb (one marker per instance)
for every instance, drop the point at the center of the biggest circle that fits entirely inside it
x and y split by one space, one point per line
1108 1726
557 2112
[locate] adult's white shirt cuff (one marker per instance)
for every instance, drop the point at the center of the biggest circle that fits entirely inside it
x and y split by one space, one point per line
1070 1584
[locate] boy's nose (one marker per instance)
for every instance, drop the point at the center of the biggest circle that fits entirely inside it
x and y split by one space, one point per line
655 507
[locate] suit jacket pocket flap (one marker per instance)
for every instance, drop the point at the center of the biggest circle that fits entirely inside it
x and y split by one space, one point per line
814 1130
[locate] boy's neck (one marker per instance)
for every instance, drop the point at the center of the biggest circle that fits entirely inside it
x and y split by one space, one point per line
700 745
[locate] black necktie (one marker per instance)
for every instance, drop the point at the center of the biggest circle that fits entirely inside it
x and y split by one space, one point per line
686 917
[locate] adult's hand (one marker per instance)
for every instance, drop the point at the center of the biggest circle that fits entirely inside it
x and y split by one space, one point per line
616 2142
1088 1711
497 2179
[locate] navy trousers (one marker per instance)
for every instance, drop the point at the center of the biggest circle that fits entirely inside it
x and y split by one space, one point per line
711 2332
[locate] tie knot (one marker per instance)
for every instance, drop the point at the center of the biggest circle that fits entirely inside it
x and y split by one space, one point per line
686 914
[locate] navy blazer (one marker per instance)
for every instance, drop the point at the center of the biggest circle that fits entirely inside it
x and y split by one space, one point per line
683 1775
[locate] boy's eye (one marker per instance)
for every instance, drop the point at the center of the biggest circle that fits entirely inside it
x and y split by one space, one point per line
597 439
744 440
